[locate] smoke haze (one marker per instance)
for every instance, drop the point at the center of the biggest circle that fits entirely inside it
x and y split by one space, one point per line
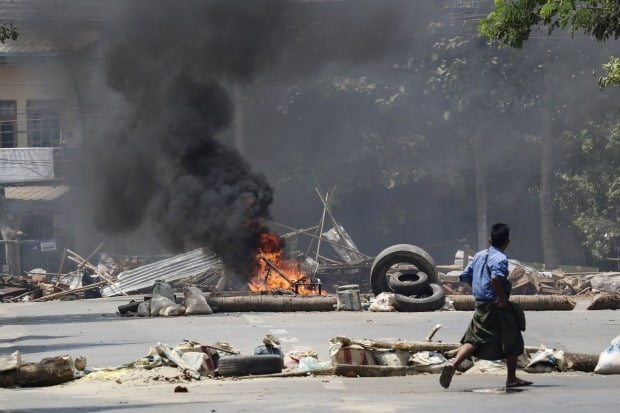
390 101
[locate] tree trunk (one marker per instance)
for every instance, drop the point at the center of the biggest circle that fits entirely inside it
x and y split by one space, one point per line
527 302
481 198
546 192
271 303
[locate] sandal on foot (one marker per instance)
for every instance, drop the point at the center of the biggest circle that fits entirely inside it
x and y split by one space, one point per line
446 376
518 383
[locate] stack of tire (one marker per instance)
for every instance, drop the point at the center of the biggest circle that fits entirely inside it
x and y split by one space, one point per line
416 289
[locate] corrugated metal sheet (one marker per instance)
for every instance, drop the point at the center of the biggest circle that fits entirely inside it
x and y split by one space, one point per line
189 264
35 193
36 41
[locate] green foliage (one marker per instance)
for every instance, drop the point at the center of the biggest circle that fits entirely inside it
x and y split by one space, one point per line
612 73
511 22
589 185
8 32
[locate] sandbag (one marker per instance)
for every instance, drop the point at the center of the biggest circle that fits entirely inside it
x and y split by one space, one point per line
609 360
158 303
195 302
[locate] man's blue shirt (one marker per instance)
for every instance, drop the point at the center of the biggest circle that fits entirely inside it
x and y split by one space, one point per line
477 275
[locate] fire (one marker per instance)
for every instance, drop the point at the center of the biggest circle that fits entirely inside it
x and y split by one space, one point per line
272 271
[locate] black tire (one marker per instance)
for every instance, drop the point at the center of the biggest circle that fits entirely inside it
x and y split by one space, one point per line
409 283
249 365
400 253
415 304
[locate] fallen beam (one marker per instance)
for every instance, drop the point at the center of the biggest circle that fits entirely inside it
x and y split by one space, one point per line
349 370
263 303
528 302
605 301
48 372
578 361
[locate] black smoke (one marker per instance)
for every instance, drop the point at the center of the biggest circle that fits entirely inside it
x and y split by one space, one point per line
163 159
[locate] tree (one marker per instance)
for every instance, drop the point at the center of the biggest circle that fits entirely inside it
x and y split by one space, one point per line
8 32
590 183
511 23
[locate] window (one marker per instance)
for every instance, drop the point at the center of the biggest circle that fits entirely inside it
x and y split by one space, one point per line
8 123
38 225
43 122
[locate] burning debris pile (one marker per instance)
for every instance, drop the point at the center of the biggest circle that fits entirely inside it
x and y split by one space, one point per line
273 271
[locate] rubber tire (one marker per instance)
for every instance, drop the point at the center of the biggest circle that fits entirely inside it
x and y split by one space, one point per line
414 304
400 253
249 365
409 283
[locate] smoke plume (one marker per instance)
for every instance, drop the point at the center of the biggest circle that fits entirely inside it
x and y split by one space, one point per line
163 161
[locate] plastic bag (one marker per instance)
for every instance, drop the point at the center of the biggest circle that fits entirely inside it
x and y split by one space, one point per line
195 302
609 360
312 363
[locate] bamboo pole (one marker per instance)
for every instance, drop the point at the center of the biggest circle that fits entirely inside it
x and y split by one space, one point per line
83 261
68 292
318 245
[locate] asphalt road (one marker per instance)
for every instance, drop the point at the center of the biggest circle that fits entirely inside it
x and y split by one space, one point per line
90 328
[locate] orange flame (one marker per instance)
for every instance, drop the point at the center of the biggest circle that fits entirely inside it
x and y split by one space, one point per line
272 271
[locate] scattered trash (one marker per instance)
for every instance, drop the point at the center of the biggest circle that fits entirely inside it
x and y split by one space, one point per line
292 358
271 345
546 361
428 361
609 360
391 357
354 354
383 303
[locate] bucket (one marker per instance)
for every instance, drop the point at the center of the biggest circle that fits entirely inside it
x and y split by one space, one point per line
349 298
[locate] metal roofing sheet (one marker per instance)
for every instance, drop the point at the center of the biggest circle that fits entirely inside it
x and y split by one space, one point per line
189 264
35 193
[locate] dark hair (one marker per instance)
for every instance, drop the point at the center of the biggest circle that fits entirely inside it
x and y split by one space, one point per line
500 234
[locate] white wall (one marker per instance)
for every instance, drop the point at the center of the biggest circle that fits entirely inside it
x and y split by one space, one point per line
38 80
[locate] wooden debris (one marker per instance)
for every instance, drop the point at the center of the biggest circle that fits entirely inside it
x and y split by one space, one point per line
605 301
433 332
271 303
69 292
577 361
47 372
528 302
349 370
